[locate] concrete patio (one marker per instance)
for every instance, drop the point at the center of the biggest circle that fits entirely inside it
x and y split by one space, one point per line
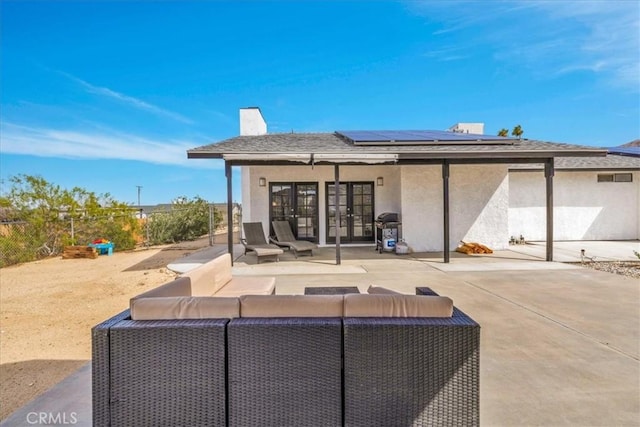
560 343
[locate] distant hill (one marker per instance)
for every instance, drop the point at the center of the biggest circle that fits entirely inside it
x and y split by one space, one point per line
634 143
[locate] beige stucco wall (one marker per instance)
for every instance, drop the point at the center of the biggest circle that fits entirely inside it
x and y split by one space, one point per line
479 203
584 209
478 206
422 212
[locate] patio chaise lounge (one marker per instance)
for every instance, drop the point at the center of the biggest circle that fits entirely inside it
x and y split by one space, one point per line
255 241
284 237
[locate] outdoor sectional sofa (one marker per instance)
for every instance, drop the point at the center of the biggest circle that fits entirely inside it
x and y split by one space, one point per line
289 360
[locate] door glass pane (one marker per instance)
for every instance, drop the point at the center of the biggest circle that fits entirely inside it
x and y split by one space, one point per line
331 211
307 204
362 211
280 202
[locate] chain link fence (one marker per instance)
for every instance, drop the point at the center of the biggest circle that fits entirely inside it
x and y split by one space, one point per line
29 240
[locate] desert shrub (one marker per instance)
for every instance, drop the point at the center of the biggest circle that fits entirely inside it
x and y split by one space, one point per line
52 217
187 220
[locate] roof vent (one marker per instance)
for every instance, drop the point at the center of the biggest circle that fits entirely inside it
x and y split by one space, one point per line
474 128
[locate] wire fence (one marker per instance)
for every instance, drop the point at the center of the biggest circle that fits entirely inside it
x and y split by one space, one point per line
26 240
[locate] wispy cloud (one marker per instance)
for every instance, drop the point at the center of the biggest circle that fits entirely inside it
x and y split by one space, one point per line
447 54
47 142
129 100
550 37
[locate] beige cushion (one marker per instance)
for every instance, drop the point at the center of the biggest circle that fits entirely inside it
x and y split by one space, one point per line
380 290
356 305
210 277
248 285
179 287
291 306
168 308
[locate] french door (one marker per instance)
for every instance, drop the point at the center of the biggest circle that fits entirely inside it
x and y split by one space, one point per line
297 203
355 201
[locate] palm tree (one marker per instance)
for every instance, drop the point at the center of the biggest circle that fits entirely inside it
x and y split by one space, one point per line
517 131
503 132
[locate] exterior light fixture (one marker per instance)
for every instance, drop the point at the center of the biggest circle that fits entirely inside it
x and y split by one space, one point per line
262 182
380 181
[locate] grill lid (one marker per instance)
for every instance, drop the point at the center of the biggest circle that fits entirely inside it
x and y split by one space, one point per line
387 217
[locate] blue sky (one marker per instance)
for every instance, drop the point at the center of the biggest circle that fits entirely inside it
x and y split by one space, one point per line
110 95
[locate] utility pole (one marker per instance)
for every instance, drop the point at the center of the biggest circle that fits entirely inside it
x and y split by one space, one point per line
139 188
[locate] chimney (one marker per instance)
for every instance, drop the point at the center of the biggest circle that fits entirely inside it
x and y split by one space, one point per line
252 122
474 128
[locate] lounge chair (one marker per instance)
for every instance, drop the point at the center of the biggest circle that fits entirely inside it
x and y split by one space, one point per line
255 241
285 238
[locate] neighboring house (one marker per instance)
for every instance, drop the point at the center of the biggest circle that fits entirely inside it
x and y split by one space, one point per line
447 186
236 212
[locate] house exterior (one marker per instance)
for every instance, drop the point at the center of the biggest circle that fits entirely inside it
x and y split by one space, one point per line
595 198
446 186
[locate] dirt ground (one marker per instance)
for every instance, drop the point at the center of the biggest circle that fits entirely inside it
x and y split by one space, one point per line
49 307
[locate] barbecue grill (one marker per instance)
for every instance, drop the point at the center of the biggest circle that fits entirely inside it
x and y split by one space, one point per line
387 231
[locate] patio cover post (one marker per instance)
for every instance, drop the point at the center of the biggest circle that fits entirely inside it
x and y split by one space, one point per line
227 172
445 204
548 174
338 219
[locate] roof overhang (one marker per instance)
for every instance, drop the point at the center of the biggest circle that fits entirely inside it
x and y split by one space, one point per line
393 157
306 158
353 158
275 157
524 155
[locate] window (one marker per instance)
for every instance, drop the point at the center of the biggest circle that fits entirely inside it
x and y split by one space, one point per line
623 177
615 177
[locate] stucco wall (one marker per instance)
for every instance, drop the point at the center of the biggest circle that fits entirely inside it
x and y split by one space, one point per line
255 199
584 209
422 212
478 206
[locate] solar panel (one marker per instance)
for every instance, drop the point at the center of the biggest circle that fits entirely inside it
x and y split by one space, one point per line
418 137
625 151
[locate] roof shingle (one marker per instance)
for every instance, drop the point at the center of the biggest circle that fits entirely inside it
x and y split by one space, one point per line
330 143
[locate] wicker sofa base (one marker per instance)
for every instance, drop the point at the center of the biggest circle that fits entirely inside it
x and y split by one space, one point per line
287 372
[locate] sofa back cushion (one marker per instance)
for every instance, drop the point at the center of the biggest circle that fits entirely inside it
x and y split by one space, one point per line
180 287
380 290
169 308
211 276
362 305
291 306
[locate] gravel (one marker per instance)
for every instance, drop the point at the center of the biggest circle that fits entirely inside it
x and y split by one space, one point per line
624 268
